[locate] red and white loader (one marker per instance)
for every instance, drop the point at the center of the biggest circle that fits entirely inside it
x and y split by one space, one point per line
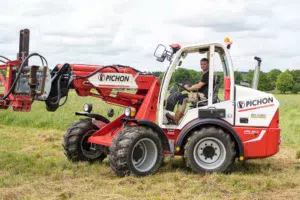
244 124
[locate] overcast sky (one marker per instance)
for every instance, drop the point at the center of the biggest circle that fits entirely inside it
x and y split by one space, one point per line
127 32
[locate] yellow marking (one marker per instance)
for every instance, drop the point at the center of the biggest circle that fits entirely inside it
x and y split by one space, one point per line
241 158
177 148
7 72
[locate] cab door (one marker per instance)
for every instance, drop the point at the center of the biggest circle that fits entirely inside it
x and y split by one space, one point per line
221 86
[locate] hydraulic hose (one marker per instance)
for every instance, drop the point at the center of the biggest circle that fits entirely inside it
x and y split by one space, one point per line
4 58
104 67
19 73
98 70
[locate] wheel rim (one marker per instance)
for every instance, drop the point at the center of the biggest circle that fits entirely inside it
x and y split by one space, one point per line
209 153
86 147
144 155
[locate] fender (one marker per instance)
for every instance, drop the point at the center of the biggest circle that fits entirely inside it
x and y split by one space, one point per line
185 132
94 116
154 127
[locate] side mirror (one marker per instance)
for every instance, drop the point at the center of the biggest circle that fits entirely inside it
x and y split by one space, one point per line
160 53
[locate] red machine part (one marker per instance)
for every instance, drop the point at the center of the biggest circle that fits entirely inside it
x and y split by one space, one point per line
18 102
144 100
226 88
261 142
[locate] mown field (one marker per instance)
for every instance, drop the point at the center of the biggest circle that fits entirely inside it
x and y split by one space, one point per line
32 164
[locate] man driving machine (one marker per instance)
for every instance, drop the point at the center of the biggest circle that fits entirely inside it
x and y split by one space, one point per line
200 93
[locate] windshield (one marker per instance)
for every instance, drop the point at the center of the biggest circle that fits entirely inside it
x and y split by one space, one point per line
226 64
163 80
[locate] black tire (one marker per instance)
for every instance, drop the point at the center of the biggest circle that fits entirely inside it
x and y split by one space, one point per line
125 150
75 144
209 149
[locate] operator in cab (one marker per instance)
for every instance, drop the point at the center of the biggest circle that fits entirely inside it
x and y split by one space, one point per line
199 92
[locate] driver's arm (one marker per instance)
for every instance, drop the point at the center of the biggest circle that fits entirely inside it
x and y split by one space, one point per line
195 87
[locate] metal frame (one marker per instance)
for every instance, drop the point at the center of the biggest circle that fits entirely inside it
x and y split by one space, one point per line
177 58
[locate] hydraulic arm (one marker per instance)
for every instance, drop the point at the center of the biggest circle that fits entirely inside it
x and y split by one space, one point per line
23 83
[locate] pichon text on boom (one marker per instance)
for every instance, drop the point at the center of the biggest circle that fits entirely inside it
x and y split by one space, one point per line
121 78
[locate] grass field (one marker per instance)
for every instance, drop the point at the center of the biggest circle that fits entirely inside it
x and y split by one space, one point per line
32 164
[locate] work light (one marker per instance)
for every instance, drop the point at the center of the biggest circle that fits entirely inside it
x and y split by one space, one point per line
87 107
130 112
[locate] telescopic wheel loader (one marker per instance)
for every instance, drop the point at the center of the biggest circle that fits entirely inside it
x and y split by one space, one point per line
210 137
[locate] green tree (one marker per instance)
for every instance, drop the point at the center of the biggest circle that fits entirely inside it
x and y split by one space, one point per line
161 76
156 73
264 83
181 75
296 88
296 78
284 82
296 75
249 76
273 74
238 77
195 76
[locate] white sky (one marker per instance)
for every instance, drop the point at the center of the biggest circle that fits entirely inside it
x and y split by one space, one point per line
127 32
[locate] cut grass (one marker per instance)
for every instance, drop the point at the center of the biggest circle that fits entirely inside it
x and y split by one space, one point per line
33 167
32 164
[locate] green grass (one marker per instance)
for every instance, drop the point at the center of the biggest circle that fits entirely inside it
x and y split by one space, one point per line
32 165
39 117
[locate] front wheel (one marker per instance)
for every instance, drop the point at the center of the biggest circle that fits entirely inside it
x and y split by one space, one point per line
209 150
75 142
136 150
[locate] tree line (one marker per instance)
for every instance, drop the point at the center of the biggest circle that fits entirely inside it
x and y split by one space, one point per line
287 81
284 82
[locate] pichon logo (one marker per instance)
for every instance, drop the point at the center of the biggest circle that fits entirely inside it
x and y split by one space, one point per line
256 102
241 104
120 78
101 77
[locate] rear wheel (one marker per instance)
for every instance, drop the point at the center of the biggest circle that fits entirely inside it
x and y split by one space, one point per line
75 142
210 150
136 150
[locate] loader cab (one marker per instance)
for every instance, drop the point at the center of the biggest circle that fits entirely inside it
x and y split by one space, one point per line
220 87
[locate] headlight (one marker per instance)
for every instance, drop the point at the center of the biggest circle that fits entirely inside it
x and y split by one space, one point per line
87 107
130 112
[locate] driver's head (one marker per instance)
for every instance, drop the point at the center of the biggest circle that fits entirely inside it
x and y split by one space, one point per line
204 64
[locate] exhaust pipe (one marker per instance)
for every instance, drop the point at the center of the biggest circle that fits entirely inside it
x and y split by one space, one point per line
256 73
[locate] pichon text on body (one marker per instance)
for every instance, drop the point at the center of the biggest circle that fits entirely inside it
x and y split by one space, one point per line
121 78
259 101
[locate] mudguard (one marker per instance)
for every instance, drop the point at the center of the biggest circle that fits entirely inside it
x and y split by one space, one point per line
216 122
